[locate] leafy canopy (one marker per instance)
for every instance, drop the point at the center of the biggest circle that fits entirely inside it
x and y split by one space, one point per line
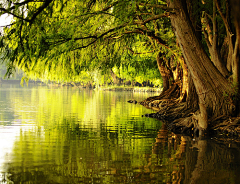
58 39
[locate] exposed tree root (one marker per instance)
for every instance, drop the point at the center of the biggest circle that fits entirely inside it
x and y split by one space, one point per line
180 118
169 95
229 126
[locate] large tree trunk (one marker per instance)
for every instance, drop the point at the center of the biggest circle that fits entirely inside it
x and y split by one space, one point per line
209 82
192 98
185 81
164 71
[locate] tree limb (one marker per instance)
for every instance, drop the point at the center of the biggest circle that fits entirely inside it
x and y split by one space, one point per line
10 13
154 17
224 18
20 4
45 5
164 7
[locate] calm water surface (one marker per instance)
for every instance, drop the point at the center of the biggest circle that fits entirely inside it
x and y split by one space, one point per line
69 135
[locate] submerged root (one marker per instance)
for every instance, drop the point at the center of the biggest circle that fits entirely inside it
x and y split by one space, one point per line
180 117
177 116
161 103
227 126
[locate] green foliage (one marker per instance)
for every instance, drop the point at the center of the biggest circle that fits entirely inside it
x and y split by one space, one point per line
139 69
58 39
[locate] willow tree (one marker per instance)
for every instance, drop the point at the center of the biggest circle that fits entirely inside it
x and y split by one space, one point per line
54 31
66 37
210 76
212 58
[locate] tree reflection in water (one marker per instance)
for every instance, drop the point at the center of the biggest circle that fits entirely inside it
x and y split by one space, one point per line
198 161
174 159
119 146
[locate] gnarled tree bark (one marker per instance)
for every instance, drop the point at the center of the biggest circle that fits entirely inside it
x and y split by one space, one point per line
209 82
165 72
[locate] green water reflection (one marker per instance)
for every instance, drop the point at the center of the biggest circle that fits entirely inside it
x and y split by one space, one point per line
68 135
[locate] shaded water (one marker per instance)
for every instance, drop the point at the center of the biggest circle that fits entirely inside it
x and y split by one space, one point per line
68 135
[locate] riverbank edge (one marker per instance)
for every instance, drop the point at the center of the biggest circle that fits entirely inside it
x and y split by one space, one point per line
133 89
104 88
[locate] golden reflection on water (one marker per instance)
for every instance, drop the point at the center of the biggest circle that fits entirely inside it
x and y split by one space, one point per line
72 136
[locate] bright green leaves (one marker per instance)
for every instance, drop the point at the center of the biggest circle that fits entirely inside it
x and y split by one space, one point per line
59 39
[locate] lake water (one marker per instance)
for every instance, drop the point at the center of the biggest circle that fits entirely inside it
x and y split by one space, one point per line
70 135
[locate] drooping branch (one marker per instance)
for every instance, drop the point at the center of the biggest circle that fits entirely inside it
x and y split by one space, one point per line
152 35
19 4
226 23
154 17
101 36
102 11
163 7
13 14
157 39
16 5
65 40
40 9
